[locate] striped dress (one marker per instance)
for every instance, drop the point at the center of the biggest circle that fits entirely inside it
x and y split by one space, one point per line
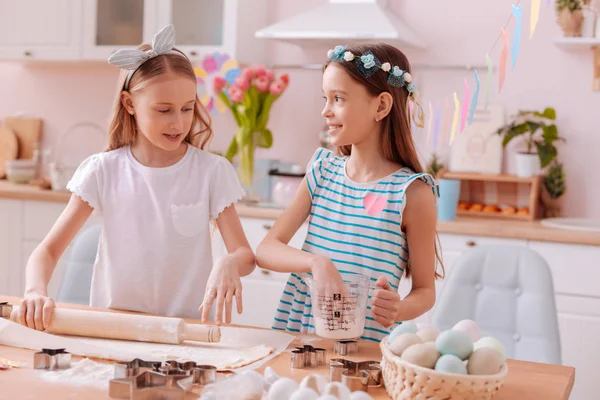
357 241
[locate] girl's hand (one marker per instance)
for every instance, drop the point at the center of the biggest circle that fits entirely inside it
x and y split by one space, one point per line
223 284
385 303
324 271
35 311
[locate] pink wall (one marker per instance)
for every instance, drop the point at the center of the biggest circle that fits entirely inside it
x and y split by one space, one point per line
544 76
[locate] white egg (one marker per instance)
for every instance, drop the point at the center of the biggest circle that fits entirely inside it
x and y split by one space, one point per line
338 389
328 397
282 389
470 327
489 341
304 394
360 395
405 327
428 334
315 382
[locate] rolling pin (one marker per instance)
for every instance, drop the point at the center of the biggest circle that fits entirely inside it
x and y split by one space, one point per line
141 328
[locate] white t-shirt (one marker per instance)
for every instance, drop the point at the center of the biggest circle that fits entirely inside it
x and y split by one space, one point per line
155 252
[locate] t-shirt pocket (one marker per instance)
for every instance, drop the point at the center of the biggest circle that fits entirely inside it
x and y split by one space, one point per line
190 219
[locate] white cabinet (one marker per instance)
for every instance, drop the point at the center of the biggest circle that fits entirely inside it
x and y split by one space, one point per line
114 24
202 26
40 29
11 212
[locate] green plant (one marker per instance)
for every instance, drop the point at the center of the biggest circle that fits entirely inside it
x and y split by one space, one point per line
554 180
538 130
435 166
572 5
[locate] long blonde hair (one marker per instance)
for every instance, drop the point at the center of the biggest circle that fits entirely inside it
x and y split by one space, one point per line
396 136
123 128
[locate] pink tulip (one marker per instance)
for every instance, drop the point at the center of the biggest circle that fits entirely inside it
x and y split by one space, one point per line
218 84
277 88
248 73
242 82
285 78
262 84
236 94
259 71
269 74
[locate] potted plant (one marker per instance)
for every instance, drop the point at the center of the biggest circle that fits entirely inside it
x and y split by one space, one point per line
449 190
553 189
249 99
540 133
570 16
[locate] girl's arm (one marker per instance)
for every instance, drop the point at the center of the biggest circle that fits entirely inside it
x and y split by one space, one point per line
224 281
274 253
419 222
36 308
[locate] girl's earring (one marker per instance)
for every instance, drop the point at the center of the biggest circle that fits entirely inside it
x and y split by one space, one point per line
376 119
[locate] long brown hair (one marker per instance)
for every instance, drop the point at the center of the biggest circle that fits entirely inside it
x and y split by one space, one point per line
396 137
123 127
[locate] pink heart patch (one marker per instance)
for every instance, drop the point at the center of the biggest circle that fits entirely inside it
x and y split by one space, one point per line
374 204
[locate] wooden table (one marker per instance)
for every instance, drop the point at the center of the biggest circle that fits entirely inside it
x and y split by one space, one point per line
526 380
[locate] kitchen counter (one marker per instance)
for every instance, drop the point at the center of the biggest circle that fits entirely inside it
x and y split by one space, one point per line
491 227
525 380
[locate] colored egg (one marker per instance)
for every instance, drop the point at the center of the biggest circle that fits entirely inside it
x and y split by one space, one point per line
424 354
428 334
470 327
454 342
450 364
403 341
489 341
405 327
485 361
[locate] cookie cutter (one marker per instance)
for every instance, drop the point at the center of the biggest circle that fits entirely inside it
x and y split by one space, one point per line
345 347
355 375
307 356
52 359
171 380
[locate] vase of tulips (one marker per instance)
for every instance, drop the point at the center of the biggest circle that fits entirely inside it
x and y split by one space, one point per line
249 99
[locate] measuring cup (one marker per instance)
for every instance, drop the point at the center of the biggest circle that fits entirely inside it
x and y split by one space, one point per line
339 312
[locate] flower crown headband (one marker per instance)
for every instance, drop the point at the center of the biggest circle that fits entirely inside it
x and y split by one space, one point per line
368 65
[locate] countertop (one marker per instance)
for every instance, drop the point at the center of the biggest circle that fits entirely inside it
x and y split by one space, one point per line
525 380
477 226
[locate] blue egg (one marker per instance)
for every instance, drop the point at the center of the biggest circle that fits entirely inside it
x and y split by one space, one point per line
404 327
450 364
453 342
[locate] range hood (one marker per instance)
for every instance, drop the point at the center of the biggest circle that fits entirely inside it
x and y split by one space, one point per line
347 21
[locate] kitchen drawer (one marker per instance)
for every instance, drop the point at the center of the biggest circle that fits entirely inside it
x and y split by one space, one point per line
575 268
465 242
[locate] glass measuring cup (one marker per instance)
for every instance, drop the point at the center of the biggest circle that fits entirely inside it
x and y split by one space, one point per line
339 312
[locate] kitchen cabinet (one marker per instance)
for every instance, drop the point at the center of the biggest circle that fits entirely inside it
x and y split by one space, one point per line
40 29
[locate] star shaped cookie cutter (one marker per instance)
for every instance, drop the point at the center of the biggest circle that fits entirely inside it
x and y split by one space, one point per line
307 356
355 375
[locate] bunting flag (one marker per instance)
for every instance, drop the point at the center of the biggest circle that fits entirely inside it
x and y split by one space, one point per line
503 57
475 97
517 11
465 107
455 118
535 16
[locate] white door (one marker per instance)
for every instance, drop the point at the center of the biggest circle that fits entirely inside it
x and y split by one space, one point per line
40 29
202 26
110 25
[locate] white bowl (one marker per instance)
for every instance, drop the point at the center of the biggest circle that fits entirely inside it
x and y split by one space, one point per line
20 171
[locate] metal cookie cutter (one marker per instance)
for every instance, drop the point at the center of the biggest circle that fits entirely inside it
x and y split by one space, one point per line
139 379
355 375
52 359
345 347
308 356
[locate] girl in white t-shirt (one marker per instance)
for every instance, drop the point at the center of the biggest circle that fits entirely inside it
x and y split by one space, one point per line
157 191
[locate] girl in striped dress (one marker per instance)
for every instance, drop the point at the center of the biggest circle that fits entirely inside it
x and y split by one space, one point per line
371 209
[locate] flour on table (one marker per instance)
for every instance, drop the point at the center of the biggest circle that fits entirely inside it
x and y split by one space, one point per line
82 373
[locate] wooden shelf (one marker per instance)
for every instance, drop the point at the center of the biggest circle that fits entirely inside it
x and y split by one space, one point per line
584 43
516 217
469 176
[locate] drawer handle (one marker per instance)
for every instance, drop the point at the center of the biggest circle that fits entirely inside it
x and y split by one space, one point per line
471 243
265 272
267 227
27 53
193 53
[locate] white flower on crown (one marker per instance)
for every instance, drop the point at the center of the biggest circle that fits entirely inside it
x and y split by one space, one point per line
407 78
329 53
348 56
386 66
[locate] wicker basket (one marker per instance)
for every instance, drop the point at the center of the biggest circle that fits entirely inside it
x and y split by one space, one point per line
404 381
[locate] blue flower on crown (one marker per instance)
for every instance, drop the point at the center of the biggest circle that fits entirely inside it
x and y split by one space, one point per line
368 60
337 53
411 87
397 71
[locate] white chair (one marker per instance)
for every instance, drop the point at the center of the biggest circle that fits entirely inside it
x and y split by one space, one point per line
77 279
508 292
